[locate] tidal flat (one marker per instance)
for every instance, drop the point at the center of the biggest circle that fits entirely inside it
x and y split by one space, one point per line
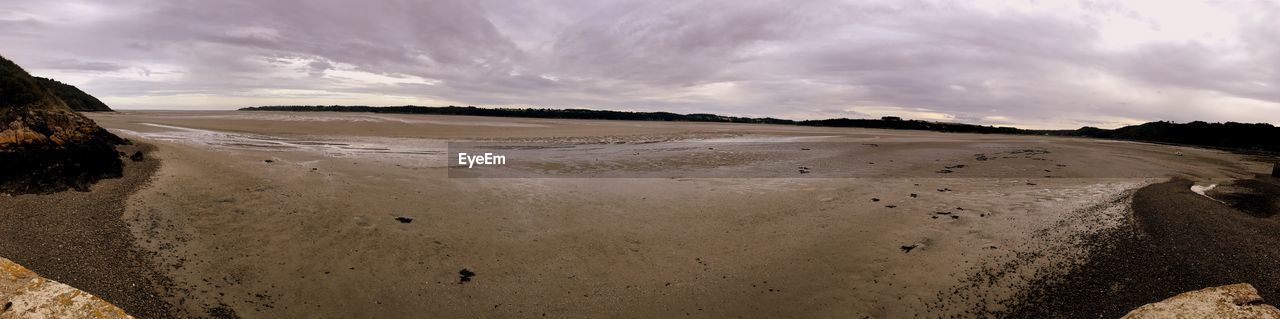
276 214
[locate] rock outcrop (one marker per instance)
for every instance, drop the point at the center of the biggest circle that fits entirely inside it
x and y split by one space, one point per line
1230 301
24 294
76 99
44 145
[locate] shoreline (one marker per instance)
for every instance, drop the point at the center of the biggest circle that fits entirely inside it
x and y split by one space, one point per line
80 239
1175 241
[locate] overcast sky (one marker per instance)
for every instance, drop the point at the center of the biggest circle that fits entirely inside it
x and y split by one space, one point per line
1036 64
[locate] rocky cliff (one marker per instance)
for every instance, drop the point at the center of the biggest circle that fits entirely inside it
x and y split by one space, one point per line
44 145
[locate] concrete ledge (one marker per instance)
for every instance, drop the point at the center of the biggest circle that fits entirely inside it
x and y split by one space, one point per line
24 294
1230 301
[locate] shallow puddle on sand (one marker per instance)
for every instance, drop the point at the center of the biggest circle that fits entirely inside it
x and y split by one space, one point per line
357 117
329 146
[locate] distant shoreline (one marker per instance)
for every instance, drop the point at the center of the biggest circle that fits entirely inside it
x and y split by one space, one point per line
1233 137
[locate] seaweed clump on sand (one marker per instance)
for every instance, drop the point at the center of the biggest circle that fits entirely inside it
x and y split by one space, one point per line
45 146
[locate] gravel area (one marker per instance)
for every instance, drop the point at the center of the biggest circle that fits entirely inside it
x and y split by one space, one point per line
79 239
1179 241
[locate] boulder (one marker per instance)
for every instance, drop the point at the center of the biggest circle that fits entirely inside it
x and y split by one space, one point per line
24 294
1230 301
45 146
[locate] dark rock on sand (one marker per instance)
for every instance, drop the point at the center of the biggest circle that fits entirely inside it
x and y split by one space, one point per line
404 220
222 311
136 157
44 145
465 275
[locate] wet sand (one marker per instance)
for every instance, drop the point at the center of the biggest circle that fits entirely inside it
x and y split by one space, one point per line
301 215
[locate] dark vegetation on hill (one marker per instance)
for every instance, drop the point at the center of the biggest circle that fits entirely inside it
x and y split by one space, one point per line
74 97
44 145
1232 136
897 123
1259 137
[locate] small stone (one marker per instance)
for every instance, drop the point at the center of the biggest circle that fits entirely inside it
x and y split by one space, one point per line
465 275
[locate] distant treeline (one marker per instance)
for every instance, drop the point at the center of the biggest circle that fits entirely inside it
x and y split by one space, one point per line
581 114
1236 136
1260 137
897 123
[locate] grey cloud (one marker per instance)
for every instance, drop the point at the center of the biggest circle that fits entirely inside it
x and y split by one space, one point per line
747 57
317 68
81 65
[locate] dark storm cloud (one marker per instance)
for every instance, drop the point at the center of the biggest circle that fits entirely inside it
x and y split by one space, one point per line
1046 64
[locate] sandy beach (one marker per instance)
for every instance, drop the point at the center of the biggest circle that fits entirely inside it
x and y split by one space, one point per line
339 215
